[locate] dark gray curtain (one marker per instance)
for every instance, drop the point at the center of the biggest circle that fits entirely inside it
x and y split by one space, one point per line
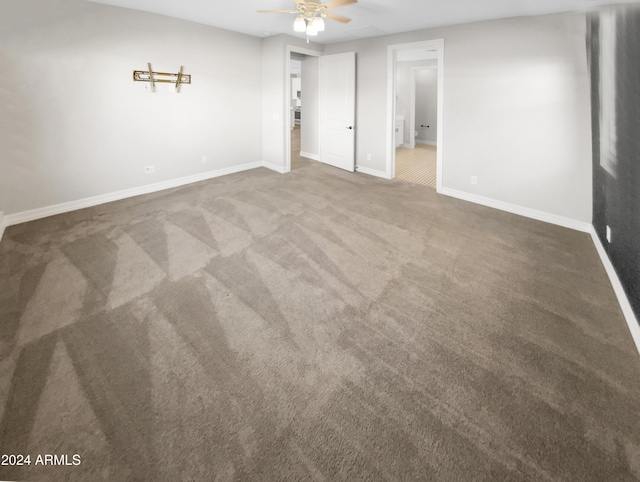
616 190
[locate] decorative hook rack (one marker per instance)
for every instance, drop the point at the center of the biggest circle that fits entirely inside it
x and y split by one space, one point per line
161 77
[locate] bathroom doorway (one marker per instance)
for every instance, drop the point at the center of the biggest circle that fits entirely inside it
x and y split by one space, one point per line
415 74
417 116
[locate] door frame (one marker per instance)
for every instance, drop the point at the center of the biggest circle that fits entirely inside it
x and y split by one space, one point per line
392 50
287 98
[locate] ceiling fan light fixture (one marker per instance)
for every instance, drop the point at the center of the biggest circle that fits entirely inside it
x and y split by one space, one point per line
311 15
311 30
318 24
299 25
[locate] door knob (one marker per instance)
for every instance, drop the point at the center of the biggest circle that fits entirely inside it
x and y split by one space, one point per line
350 127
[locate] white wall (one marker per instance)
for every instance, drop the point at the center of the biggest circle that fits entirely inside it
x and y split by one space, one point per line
75 125
426 104
273 92
516 110
310 106
274 79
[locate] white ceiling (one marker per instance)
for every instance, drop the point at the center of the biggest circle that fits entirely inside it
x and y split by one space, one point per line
369 17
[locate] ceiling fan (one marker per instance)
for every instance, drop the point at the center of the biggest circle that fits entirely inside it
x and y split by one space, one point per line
310 15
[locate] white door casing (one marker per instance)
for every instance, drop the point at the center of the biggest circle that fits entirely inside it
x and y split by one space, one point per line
337 88
392 50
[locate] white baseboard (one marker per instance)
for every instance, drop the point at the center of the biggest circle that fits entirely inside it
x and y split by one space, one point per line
372 172
308 155
630 317
429 143
33 214
520 210
2 224
274 167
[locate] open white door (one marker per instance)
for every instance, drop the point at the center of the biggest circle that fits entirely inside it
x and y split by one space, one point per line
337 110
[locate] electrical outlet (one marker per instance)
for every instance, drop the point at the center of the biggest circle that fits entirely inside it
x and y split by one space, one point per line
368 157
608 234
204 159
150 169
474 180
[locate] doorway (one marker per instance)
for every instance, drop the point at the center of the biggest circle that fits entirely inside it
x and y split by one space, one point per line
415 99
327 108
301 107
295 112
416 116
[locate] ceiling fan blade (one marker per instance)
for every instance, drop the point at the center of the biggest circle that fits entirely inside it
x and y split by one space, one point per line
277 11
338 3
337 18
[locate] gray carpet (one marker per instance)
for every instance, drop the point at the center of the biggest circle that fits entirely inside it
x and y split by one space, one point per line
319 325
